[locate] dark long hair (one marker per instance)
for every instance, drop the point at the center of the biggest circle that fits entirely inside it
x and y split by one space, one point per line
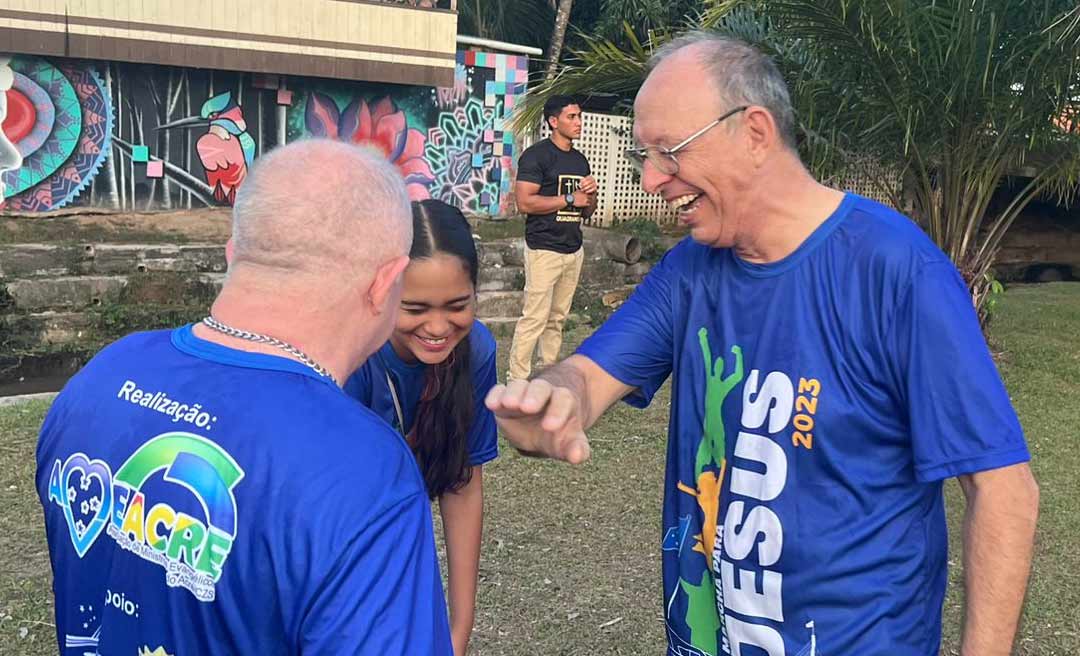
445 412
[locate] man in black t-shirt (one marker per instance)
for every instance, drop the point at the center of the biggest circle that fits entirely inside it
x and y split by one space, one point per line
555 190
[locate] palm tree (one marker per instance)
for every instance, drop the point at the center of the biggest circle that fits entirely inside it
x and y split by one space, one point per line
958 96
646 17
525 22
562 19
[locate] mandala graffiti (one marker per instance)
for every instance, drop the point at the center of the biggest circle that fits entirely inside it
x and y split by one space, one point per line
69 180
450 97
461 160
60 120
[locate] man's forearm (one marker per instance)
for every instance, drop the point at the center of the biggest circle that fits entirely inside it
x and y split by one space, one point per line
999 532
537 204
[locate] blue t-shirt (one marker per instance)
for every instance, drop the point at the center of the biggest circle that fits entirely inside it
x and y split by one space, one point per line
817 404
368 385
205 500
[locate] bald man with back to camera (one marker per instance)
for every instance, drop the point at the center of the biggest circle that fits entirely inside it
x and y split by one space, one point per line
201 485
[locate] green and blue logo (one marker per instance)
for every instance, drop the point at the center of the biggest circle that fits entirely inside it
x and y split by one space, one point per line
191 548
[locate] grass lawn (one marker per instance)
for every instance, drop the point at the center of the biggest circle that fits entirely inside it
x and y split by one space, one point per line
571 555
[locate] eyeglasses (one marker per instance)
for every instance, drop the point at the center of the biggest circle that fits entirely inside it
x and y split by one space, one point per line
663 159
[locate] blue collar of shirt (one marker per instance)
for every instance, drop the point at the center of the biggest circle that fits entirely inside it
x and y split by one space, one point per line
390 360
185 340
816 238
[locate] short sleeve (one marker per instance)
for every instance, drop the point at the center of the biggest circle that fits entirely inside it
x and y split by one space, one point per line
530 168
635 345
384 594
483 436
961 419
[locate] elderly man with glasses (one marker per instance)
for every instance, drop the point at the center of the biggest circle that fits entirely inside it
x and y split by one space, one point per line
828 374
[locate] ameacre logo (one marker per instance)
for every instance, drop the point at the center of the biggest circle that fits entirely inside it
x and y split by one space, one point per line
191 549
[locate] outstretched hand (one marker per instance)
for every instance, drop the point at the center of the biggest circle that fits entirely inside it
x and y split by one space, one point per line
540 419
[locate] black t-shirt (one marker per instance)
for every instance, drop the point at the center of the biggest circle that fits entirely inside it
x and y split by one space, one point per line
558 172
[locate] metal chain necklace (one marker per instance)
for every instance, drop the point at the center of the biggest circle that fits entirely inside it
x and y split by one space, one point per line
212 323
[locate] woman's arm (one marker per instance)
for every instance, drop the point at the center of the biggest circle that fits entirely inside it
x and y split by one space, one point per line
463 520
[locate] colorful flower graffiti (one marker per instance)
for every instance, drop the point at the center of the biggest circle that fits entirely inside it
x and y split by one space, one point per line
383 127
450 143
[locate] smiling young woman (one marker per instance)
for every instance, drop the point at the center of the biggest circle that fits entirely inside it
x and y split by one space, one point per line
429 381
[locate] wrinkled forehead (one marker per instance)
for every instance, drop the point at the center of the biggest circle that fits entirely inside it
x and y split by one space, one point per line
674 100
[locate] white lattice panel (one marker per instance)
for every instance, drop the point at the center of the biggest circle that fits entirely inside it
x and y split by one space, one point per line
604 138
860 178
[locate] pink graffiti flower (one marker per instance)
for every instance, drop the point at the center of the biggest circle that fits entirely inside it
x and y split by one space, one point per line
384 127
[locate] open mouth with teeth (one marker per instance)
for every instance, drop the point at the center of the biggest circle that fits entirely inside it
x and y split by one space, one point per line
431 341
685 204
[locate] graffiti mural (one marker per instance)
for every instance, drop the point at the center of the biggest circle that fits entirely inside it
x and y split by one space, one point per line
58 120
183 137
382 126
225 149
450 143
467 174
138 137
106 135
496 81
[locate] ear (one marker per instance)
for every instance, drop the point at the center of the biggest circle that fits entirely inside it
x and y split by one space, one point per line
762 133
385 284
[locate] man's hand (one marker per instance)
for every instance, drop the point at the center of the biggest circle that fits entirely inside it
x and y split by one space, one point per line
588 185
582 199
541 419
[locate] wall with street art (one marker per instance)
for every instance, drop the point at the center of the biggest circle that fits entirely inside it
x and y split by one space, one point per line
131 137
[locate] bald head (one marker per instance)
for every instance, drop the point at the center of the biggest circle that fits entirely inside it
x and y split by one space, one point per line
321 207
739 74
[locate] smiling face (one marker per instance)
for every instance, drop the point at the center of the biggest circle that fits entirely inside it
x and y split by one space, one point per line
709 190
437 309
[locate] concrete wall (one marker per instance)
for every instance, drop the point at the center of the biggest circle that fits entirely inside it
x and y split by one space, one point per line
125 136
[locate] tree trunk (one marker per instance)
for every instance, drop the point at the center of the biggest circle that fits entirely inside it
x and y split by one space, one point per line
110 162
562 19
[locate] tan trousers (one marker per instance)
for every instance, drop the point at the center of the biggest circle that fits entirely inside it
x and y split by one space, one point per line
550 281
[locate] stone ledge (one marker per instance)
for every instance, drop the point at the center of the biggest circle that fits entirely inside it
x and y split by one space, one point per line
78 292
47 260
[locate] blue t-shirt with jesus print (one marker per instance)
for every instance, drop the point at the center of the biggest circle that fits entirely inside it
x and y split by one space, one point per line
204 500
818 403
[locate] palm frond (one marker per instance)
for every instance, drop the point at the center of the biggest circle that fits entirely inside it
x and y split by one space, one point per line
601 68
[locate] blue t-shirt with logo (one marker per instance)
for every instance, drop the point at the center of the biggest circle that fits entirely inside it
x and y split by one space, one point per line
204 500
368 385
817 404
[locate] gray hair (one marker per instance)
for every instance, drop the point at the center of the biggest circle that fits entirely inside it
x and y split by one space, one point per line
322 207
741 74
